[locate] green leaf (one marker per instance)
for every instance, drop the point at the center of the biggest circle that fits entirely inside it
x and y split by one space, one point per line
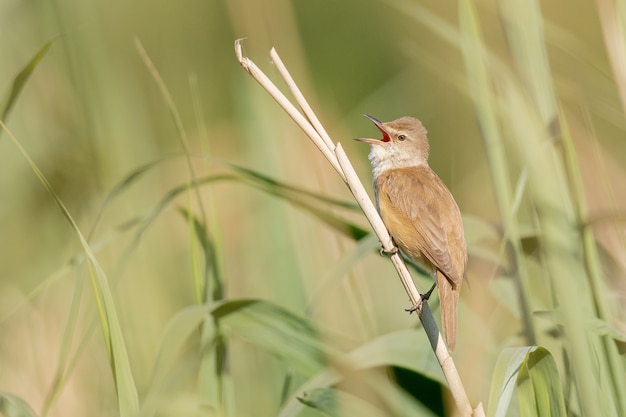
539 390
128 399
203 283
532 371
13 406
603 328
333 403
315 204
19 81
177 333
408 349
274 329
179 329
592 324
306 200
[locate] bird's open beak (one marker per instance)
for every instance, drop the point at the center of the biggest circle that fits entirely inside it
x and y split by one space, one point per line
386 138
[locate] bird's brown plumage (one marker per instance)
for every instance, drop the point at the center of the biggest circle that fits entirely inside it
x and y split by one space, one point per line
425 225
419 210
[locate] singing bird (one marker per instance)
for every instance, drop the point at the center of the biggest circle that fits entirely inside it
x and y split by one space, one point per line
419 211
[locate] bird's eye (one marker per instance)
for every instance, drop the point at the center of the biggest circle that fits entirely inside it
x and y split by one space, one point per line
401 137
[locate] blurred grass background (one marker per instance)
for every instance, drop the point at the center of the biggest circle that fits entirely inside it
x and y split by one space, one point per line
91 114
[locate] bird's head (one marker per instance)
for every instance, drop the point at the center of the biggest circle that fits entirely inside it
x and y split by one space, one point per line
404 144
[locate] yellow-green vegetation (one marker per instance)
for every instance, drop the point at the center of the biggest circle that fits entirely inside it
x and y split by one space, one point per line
173 245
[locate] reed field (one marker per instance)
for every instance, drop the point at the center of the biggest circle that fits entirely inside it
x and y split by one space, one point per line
172 244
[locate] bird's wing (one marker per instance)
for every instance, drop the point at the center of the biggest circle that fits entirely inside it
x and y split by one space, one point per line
431 210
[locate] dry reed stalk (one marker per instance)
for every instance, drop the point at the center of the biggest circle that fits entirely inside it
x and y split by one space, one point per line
334 153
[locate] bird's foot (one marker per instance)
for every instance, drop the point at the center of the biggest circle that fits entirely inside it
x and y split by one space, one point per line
392 251
424 297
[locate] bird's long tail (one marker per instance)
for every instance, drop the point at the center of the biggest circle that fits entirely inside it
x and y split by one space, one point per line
449 299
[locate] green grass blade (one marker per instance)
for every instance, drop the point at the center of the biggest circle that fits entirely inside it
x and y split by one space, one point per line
125 184
405 349
126 390
408 349
523 24
539 389
503 380
475 55
532 372
562 253
597 279
279 188
10 97
275 330
335 403
179 330
313 203
336 222
209 285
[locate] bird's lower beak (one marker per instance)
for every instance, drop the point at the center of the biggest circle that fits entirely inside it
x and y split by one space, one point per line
369 140
379 125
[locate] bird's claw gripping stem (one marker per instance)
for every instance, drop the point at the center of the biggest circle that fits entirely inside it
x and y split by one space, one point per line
392 251
424 297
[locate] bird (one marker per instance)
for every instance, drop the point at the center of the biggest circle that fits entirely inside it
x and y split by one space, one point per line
419 211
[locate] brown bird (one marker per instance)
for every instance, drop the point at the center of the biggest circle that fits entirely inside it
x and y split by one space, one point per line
419 210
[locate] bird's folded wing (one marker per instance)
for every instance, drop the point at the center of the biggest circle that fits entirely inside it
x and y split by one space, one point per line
427 209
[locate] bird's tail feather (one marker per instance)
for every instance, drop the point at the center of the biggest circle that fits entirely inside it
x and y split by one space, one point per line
449 299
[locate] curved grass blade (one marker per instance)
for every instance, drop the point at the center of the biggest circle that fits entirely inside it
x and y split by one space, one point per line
407 349
210 262
261 323
19 81
278 188
304 199
177 333
533 373
477 66
539 391
332 402
336 222
503 380
274 329
128 400
125 183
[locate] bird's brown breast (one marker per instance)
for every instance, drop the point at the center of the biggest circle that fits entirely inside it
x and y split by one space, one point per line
423 218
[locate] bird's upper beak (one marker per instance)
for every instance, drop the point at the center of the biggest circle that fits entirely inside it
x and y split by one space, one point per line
386 138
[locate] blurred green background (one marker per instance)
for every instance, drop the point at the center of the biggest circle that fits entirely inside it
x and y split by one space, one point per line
92 113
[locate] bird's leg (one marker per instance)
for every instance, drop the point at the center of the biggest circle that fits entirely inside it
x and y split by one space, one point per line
424 297
427 294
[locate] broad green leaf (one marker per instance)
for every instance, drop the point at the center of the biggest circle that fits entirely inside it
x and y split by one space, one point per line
532 372
408 349
13 406
539 391
503 380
